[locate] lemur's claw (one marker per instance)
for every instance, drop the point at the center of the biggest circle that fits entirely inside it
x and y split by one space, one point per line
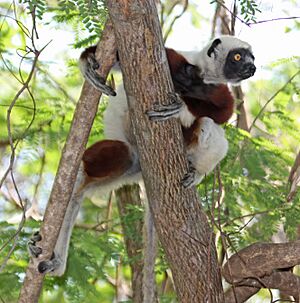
93 62
34 251
107 90
191 178
45 267
163 112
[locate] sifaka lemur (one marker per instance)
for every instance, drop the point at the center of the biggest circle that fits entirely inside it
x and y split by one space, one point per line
202 102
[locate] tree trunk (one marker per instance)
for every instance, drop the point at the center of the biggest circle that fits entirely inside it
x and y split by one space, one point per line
141 246
85 112
182 227
132 231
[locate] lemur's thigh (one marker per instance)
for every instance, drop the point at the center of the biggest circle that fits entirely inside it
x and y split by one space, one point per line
107 158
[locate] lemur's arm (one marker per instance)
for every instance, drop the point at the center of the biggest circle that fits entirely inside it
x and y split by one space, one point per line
218 107
184 75
195 99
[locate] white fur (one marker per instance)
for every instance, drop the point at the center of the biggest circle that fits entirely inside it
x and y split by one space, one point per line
212 67
186 117
116 120
211 148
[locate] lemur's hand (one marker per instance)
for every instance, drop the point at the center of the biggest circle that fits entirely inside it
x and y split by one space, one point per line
89 66
165 111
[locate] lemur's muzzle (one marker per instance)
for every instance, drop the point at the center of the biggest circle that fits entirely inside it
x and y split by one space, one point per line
247 71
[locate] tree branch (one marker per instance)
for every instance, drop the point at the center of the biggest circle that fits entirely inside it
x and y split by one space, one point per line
263 265
68 167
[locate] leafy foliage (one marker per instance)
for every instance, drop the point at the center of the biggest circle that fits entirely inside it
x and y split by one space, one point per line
36 7
91 14
248 9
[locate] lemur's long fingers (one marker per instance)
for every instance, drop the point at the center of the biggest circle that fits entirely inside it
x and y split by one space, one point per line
162 114
165 111
98 82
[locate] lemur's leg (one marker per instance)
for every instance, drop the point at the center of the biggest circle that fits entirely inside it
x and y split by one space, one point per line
57 264
89 66
103 163
165 111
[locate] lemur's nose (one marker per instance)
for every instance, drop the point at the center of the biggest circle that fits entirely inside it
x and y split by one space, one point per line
251 68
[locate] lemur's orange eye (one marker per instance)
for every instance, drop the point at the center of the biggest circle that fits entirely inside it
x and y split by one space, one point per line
237 57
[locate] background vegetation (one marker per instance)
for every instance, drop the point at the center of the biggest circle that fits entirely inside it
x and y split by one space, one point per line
249 201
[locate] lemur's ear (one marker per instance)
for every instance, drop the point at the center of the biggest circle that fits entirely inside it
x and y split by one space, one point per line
214 44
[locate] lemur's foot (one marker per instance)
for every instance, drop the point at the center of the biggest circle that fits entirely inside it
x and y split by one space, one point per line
45 266
49 266
165 111
191 178
34 250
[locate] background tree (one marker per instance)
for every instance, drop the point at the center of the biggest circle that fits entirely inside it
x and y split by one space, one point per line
247 204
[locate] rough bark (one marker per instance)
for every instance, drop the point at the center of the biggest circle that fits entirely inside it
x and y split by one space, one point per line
133 231
239 294
85 112
181 225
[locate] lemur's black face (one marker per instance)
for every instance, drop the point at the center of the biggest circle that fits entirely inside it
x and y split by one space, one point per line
239 65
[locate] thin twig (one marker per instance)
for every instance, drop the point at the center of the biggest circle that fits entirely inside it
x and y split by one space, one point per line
185 6
272 20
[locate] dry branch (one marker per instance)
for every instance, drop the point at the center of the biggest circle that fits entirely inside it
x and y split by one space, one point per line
239 294
84 115
182 227
263 265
